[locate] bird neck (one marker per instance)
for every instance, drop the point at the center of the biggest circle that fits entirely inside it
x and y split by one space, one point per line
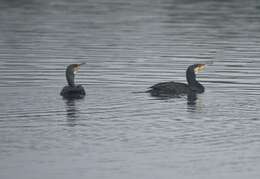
193 84
70 77
191 77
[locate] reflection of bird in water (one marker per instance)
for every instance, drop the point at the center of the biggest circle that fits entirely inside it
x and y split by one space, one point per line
72 111
72 91
167 89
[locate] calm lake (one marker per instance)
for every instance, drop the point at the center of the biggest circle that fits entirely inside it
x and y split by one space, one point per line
117 131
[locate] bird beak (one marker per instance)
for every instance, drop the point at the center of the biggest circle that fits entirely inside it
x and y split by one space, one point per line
82 63
199 68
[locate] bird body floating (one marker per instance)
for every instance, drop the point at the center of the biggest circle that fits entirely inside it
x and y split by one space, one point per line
174 89
72 91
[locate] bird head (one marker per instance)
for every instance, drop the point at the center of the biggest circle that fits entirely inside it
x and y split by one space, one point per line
75 67
199 68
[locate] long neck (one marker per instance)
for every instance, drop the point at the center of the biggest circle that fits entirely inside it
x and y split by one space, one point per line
191 77
193 84
70 77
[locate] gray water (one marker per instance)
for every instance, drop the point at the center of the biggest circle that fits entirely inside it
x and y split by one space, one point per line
116 132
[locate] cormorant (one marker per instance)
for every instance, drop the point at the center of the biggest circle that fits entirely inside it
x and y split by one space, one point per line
166 89
72 91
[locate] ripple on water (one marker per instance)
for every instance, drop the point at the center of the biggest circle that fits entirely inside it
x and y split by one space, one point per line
117 131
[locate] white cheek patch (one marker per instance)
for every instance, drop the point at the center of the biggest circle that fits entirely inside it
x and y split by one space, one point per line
196 70
76 70
199 69
202 68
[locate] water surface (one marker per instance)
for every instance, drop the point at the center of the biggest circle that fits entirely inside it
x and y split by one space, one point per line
116 132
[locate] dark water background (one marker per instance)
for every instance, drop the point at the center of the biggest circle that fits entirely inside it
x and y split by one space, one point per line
128 46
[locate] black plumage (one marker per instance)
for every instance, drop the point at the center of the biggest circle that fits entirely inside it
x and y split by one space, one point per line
72 91
174 88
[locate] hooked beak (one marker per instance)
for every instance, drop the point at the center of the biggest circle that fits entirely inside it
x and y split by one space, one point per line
82 63
199 68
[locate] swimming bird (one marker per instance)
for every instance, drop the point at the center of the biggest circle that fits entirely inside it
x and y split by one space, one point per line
172 88
72 91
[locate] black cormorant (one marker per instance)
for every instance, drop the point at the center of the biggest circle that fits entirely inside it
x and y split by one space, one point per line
72 90
171 88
